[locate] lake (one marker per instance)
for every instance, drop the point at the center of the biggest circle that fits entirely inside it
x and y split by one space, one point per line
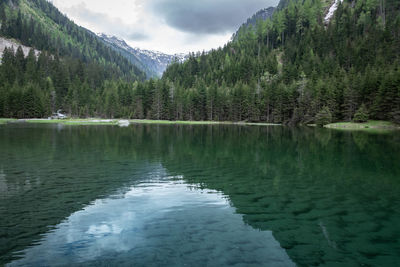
159 195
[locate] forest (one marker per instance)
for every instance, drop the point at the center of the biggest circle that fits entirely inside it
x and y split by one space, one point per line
293 68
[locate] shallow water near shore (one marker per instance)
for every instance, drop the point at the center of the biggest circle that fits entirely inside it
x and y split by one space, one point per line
214 195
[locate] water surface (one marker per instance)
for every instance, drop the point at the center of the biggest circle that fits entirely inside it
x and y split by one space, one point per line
198 195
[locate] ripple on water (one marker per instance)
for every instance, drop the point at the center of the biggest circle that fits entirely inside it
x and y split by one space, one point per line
214 195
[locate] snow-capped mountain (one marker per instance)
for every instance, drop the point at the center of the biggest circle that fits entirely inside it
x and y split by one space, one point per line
152 62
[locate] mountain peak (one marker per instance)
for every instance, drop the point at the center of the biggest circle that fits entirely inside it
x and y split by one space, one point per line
262 14
113 40
154 63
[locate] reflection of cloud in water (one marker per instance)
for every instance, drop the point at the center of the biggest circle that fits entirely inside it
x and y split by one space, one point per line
163 223
104 229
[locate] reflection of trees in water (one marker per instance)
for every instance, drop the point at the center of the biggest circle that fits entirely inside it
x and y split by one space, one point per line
360 139
293 181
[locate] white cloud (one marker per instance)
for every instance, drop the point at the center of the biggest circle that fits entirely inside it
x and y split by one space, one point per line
148 24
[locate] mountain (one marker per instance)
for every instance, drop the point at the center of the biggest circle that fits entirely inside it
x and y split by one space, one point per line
151 62
312 61
39 24
261 15
333 59
74 70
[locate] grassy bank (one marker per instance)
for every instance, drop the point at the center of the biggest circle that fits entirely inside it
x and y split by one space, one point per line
4 121
365 126
95 121
73 121
174 122
200 122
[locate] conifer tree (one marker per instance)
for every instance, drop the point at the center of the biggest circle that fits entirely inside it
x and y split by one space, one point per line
323 117
361 114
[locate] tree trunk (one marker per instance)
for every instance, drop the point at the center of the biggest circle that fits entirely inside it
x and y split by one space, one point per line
383 12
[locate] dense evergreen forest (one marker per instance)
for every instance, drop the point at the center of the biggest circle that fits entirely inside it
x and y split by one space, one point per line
293 68
71 72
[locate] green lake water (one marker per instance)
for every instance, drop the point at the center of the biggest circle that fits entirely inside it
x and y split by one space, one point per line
154 195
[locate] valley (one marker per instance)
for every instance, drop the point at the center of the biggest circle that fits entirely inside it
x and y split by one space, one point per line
287 65
278 145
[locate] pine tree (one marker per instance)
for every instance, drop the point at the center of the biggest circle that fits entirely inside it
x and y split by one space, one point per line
361 115
323 117
31 74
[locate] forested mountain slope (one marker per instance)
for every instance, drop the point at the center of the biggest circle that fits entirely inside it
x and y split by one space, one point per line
294 66
71 72
38 24
261 15
288 69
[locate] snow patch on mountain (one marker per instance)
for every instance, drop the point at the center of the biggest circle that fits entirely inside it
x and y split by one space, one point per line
332 10
156 61
11 43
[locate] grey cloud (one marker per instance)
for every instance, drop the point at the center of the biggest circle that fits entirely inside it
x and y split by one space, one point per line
138 36
107 24
207 16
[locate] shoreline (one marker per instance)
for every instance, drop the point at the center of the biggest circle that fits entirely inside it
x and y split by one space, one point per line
5 121
124 122
344 126
371 125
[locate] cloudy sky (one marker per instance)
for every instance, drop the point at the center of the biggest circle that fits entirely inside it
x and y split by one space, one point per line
170 26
